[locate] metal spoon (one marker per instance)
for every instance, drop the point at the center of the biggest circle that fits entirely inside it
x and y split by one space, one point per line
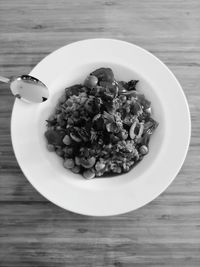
27 88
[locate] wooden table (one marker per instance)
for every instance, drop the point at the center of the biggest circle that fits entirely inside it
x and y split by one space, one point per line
35 232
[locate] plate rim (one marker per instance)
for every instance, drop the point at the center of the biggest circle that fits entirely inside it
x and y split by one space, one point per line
188 127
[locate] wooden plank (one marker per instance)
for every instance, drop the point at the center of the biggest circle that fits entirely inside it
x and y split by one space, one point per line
35 232
44 234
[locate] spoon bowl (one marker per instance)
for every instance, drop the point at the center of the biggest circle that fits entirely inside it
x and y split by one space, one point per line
28 88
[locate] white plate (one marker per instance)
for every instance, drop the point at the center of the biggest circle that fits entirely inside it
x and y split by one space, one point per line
168 146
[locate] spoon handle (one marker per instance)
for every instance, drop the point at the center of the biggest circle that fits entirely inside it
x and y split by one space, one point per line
4 79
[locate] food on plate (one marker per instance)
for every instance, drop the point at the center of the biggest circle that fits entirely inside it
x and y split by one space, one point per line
101 127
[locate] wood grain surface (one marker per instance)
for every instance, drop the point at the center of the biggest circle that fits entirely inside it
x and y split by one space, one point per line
35 232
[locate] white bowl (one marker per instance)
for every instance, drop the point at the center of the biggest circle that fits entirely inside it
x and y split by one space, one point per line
168 145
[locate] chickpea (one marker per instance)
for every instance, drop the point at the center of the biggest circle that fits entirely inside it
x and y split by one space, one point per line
88 163
59 152
91 81
68 163
76 169
122 98
51 118
89 174
50 147
69 103
99 166
144 150
77 161
67 140
126 168
118 170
